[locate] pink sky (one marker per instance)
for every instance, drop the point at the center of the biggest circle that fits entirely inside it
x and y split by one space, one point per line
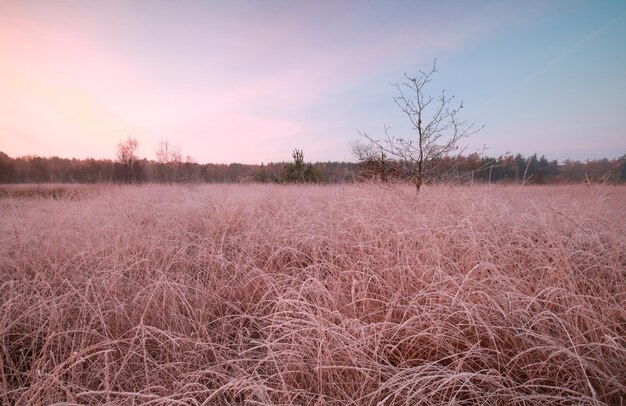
227 83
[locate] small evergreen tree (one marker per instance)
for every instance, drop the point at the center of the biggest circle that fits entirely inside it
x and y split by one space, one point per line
299 172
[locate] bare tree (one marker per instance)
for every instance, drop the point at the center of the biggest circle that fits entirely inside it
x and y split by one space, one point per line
128 160
374 164
169 160
436 125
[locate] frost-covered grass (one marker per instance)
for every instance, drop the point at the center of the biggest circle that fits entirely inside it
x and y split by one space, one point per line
315 295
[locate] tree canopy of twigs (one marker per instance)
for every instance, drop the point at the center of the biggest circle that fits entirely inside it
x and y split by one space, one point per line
169 160
128 160
437 131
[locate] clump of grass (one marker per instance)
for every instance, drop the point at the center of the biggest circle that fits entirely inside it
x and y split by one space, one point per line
315 295
48 191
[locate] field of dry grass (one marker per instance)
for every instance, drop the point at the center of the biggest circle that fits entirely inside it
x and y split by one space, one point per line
314 295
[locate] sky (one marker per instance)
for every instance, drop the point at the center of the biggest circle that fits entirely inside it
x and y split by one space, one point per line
249 81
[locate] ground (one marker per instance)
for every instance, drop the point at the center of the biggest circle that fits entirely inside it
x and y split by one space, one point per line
271 294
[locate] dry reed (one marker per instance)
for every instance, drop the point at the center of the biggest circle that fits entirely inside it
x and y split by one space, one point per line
171 295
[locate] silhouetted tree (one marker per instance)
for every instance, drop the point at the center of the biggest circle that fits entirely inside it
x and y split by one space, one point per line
40 169
622 168
374 164
189 170
169 160
6 168
437 128
129 169
299 172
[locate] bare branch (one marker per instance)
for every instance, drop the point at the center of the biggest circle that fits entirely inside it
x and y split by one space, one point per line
437 129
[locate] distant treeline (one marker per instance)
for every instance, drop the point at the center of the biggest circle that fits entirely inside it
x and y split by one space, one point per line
34 169
505 169
472 168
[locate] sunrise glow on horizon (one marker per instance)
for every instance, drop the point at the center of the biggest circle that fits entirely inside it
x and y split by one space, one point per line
250 81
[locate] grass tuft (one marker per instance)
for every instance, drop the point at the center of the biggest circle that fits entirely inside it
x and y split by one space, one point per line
334 295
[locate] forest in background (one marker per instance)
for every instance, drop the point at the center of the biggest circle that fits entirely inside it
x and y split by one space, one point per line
464 169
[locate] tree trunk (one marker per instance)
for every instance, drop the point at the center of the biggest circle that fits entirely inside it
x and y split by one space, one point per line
418 183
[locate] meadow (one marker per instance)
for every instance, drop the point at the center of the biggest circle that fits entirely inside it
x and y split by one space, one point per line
313 295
